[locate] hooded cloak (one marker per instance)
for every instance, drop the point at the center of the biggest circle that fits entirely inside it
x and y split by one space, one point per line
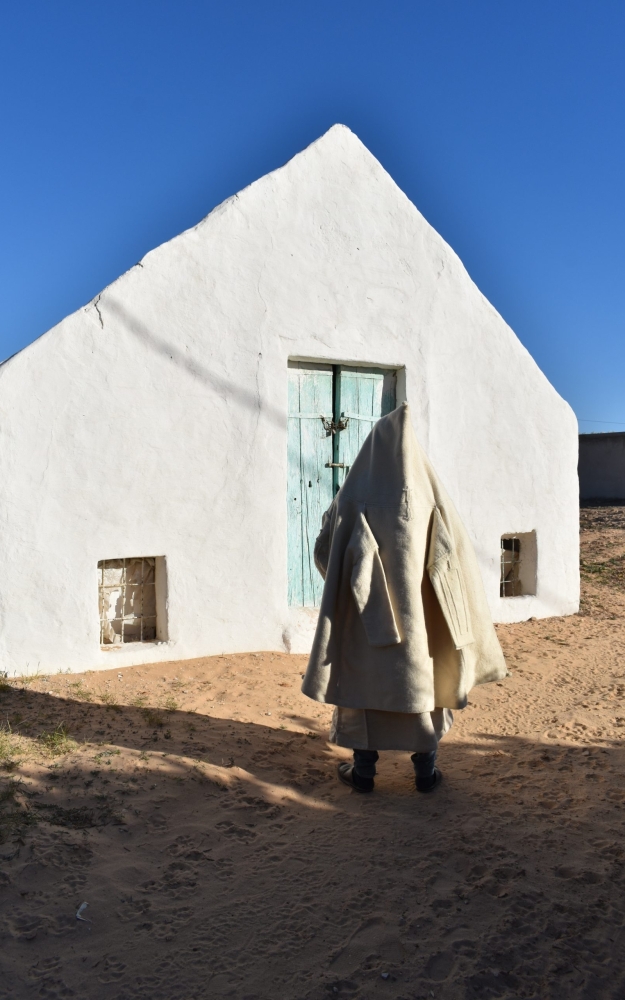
404 625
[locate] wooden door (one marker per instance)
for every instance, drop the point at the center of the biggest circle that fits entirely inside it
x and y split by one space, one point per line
361 396
322 400
309 475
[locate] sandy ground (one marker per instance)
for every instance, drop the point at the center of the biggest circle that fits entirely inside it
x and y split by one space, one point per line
194 807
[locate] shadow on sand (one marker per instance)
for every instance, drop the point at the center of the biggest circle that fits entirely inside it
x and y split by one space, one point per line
222 858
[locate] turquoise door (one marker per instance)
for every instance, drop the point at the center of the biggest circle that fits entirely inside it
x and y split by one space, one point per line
361 396
332 408
309 474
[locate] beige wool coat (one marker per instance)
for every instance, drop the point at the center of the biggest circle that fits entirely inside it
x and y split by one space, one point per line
404 625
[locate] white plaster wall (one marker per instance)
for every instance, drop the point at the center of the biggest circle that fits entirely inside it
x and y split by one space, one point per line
153 421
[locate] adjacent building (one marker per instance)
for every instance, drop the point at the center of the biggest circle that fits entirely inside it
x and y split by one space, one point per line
602 466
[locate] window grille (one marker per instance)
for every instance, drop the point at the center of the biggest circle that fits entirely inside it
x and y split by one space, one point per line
510 583
127 600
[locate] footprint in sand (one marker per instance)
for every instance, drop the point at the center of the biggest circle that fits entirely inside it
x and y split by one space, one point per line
46 967
158 822
112 970
24 926
375 938
73 882
178 879
439 966
168 924
55 852
235 831
179 845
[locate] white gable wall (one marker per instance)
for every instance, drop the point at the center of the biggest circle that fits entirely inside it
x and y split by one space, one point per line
153 422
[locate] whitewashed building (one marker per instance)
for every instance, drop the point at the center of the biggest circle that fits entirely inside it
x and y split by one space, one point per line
166 452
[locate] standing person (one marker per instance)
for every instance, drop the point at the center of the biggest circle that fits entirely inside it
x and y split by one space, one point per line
404 629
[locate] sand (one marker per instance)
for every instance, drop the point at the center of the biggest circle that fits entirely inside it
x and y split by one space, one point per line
194 807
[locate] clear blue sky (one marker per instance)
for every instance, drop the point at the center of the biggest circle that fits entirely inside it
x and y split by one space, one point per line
123 123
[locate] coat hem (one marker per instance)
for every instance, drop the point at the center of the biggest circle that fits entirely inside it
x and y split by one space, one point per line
416 709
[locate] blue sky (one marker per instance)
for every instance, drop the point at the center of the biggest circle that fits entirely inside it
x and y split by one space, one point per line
123 123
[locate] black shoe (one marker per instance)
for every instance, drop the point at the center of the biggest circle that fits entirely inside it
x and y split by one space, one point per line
430 783
349 777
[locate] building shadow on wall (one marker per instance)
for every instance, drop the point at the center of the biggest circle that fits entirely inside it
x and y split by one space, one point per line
194 368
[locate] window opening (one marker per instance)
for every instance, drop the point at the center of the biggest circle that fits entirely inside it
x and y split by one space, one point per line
127 600
510 585
518 565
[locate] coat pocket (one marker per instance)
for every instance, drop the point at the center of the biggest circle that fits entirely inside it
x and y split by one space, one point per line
369 587
446 578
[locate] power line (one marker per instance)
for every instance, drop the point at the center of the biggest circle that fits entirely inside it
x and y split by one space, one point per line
581 420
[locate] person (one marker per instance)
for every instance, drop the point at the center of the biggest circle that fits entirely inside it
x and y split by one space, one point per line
404 630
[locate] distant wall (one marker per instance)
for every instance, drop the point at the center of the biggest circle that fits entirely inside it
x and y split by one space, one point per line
602 466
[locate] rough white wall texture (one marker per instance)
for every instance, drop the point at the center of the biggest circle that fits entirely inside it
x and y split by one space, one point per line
153 421
602 466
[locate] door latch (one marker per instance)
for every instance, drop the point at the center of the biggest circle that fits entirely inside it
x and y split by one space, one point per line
330 427
335 465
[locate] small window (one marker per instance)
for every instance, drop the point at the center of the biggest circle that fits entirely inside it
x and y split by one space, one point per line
518 565
128 600
510 558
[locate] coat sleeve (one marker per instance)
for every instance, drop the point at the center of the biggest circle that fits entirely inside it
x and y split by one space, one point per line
448 582
369 587
321 552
